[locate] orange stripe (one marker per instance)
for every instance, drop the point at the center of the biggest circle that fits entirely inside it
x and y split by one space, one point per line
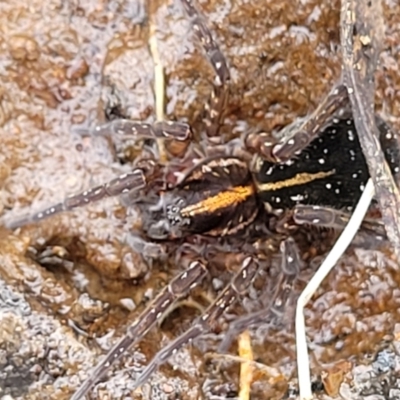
234 196
298 179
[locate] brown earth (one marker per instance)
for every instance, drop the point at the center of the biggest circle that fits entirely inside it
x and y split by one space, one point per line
62 281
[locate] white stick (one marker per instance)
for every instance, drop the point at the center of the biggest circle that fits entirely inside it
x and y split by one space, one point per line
303 364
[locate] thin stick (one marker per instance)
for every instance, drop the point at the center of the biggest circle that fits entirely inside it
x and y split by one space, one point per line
362 33
159 81
303 365
246 368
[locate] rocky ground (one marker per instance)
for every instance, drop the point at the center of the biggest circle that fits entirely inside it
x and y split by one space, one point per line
70 285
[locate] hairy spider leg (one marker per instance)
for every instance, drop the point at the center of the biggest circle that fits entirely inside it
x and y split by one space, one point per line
298 135
236 288
326 217
134 180
179 287
127 129
219 95
282 296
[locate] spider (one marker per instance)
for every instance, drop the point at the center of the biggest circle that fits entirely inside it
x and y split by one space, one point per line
312 177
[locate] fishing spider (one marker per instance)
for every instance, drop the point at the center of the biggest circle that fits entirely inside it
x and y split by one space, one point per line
313 176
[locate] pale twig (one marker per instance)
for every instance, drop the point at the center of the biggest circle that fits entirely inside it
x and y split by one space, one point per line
303 365
159 81
246 369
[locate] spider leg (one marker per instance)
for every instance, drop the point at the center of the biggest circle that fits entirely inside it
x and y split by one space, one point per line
127 182
320 216
305 132
134 180
134 130
237 287
177 288
219 95
326 217
175 135
281 297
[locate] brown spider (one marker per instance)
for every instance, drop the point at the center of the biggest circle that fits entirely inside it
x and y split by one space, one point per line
316 176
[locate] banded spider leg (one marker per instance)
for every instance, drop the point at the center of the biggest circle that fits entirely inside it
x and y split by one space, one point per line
133 181
133 130
297 136
220 92
179 287
282 296
237 288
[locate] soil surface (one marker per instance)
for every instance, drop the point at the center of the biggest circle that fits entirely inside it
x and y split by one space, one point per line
72 284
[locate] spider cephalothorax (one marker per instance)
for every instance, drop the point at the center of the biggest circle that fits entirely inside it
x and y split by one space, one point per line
217 197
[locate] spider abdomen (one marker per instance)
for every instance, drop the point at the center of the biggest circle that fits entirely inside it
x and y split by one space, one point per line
330 172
